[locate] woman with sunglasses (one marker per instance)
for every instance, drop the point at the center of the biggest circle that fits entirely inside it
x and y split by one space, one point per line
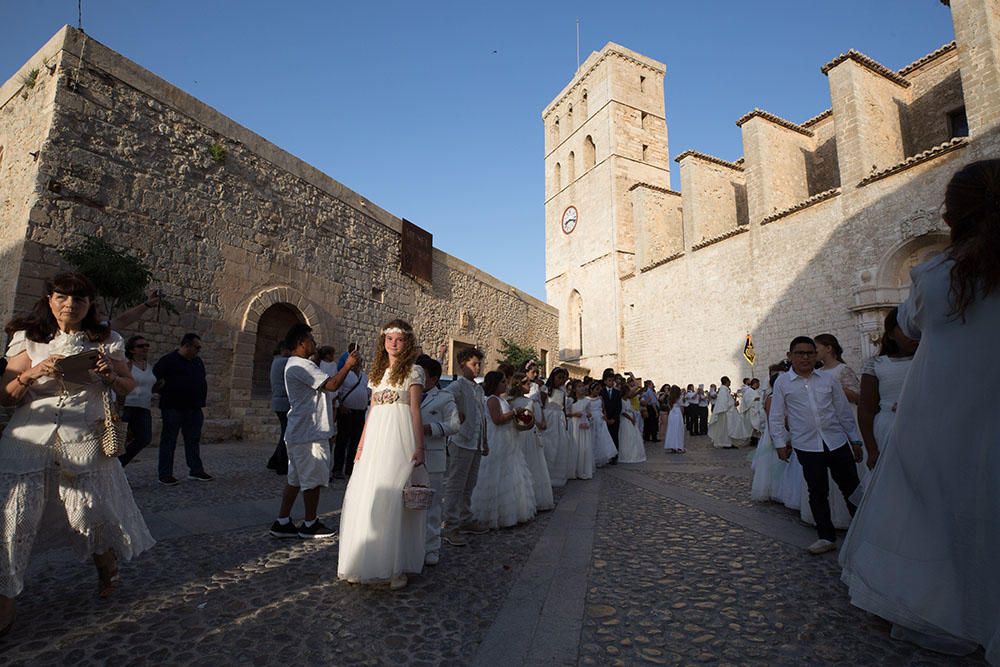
137 402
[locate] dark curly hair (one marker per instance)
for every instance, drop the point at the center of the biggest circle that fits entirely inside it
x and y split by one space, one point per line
40 324
972 210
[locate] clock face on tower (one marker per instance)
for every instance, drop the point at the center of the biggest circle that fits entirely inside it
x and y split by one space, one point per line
569 218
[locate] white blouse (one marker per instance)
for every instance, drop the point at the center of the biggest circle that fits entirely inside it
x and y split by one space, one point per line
142 395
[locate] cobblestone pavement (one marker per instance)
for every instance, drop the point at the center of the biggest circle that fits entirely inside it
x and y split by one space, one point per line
669 582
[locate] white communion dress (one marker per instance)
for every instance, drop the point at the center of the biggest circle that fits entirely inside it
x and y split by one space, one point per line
379 538
674 440
581 431
53 475
630 445
534 455
923 549
767 468
555 437
604 446
723 411
890 372
504 495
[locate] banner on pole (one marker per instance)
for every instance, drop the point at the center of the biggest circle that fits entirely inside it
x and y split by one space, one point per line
748 352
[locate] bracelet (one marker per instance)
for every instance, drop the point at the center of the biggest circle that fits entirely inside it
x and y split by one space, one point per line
22 382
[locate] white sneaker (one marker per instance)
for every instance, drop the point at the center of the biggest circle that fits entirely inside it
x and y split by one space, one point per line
432 558
397 582
821 547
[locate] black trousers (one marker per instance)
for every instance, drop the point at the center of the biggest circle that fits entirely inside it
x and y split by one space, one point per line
350 424
701 420
279 459
689 418
651 425
843 469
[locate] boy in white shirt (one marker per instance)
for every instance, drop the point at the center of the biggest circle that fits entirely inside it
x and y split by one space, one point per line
440 418
310 425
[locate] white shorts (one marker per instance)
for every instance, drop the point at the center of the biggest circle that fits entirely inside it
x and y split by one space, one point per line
308 464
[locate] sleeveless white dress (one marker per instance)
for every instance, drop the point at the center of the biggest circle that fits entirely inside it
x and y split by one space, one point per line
504 494
923 549
53 475
630 446
584 438
555 438
767 468
674 439
534 455
379 538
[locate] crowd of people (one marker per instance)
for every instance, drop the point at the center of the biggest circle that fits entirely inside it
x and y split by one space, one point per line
912 461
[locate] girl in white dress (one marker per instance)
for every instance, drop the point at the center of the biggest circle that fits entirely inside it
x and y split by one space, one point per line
923 549
580 420
674 440
572 447
504 495
50 452
767 467
630 446
380 540
604 446
881 384
555 437
529 443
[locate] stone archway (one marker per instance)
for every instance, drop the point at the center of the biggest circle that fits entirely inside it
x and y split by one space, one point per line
881 288
265 313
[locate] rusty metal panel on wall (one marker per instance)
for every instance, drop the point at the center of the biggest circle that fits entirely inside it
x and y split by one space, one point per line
417 255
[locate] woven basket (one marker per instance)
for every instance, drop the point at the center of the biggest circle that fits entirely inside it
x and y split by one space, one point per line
523 425
417 497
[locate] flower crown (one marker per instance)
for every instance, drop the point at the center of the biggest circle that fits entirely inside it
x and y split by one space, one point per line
393 330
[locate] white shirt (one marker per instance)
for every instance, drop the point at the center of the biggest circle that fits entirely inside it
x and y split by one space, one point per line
470 401
142 395
357 399
817 410
310 418
703 399
684 399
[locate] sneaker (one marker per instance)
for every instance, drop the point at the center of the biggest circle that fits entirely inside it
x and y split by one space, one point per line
317 531
397 582
453 538
821 547
169 481
285 530
432 558
474 529
201 476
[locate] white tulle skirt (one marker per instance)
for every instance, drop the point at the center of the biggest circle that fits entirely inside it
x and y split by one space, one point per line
585 447
768 470
604 446
555 442
379 538
630 446
504 494
674 439
534 456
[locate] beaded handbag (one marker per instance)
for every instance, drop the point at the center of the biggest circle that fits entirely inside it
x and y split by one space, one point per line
112 430
418 495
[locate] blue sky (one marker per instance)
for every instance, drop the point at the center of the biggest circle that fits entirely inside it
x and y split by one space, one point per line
433 110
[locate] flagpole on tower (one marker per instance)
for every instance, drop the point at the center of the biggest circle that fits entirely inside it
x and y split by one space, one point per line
578 43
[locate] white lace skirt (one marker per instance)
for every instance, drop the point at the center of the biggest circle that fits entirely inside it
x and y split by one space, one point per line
504 495
93 509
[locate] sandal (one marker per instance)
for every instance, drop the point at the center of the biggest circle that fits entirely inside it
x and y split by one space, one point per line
107 573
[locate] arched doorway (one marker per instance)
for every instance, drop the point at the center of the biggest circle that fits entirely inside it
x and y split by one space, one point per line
573 343
272 327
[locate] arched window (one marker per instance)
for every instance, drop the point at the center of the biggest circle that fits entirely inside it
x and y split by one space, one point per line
555 130
574 343
272 327
569 117
557 178
583 105
570 168
589 153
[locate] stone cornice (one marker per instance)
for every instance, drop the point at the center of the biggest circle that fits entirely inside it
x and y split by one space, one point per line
721 237
929 154
650 186
822 115
610 49
738 165
777 120
661 262
805 203
869 63
930 57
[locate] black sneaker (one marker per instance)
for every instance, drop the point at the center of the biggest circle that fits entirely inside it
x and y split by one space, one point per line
201 476
287 530
317 531
169 481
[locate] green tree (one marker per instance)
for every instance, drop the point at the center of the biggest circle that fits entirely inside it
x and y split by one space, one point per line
120 278
516 355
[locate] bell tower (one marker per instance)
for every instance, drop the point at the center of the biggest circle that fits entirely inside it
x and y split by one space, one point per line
604 132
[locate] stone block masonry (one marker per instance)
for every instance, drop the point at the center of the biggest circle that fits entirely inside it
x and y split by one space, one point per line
245 241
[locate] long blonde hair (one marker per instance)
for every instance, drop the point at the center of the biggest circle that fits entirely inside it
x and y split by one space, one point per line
404 362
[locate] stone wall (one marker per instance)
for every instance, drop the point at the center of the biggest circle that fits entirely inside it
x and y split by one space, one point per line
127 157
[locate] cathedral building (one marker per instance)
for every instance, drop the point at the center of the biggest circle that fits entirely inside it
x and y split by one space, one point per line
814 230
